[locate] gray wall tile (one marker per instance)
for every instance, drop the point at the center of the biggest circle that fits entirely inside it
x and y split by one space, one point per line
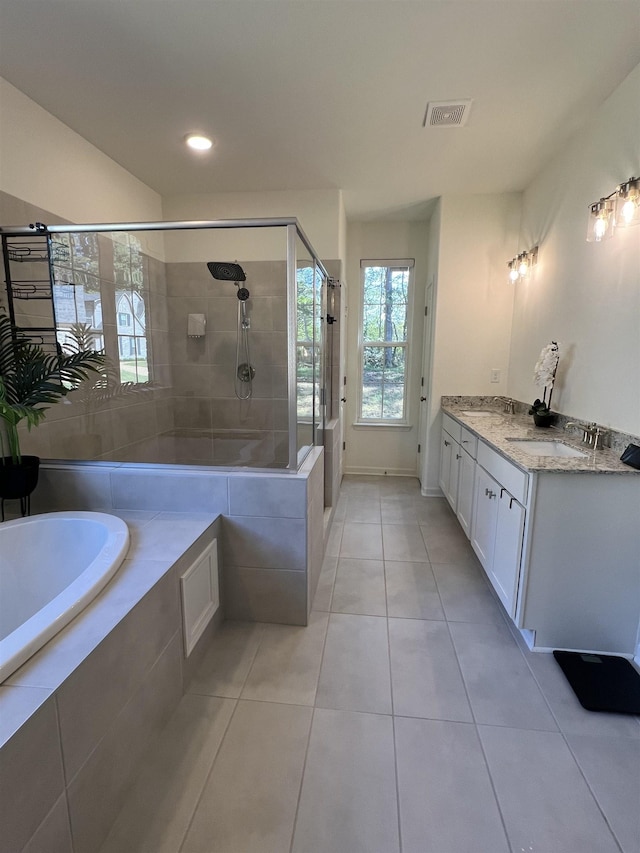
177 492
54 833
265 595
98 791
96 692
31 778
283 497
270 543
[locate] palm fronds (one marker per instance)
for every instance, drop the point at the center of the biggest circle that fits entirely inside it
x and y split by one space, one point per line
32 379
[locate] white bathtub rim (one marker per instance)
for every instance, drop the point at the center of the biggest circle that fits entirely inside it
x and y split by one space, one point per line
25 641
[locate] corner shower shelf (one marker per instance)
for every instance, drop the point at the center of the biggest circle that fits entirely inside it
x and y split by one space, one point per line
33 248
31 289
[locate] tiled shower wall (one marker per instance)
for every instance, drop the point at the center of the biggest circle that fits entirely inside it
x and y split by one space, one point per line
211 424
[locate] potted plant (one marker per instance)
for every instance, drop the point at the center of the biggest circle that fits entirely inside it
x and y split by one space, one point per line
30 380
545 374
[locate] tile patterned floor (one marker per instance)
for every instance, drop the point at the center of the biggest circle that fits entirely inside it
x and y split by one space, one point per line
406 717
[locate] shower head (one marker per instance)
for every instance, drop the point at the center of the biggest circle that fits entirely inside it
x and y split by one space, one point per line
226 272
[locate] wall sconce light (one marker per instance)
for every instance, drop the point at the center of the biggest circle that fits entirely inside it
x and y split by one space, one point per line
520 265
628 203
601 220
619 209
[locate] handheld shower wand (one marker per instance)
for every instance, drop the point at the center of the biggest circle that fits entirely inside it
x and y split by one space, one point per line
244 369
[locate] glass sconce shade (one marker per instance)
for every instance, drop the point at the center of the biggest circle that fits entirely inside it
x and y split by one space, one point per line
628 203
513 270
601 220
523 264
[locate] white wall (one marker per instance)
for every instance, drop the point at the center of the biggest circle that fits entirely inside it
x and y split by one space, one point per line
475 236
319 212
584 295
45 163
374 450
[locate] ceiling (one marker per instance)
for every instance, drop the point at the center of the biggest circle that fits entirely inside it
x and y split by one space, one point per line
317 94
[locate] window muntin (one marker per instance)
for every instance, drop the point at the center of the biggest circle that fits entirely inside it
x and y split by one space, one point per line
384 341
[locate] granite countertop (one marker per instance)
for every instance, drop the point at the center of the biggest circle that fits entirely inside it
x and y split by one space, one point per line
497 428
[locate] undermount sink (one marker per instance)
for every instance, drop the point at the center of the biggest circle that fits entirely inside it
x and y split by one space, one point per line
547 447
478 413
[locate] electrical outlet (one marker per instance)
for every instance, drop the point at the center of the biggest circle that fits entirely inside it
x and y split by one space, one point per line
495 375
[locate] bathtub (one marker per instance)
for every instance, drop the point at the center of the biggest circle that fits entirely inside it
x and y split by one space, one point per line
51 566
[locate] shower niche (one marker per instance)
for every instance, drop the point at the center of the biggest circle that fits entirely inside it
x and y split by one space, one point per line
248 390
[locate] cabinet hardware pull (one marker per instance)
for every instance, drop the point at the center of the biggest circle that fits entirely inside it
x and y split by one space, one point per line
501 491
491 494
511 502
446 443
458 456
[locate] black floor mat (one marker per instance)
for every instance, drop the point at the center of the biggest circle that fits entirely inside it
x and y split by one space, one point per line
602 682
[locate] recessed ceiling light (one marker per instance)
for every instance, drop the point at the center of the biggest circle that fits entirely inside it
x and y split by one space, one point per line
198 142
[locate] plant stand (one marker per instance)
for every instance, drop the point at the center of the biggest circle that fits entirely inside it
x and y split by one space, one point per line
17 482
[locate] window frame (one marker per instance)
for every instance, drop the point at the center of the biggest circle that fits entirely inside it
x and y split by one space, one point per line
394 263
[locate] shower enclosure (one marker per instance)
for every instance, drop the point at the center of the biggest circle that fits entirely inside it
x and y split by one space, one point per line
214 333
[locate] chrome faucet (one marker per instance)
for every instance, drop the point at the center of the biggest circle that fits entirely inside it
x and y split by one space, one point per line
591 434
509 405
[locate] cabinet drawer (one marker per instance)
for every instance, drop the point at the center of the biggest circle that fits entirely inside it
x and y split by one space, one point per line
469 442
508 475
451 426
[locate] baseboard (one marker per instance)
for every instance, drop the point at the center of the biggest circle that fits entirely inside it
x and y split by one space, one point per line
381 472
432 492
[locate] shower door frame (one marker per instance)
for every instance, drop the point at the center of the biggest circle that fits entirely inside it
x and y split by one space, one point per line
293 231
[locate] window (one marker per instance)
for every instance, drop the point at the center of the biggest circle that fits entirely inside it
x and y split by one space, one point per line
305 343
384 340
81 290
131 308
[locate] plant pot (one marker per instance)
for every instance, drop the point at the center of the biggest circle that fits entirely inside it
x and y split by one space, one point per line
543 419
18 481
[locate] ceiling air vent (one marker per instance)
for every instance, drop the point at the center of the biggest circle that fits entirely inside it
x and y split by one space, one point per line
447 113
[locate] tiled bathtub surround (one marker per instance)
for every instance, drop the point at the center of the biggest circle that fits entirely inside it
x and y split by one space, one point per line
73 727
76 719
272 522
615 442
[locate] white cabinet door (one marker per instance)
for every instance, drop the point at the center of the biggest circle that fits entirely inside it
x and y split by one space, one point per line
447 457
505 569
485 518
466 484
454 476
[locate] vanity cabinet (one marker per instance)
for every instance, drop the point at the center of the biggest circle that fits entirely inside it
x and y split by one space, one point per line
560 547
497 530
449 459
466 480
457 469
